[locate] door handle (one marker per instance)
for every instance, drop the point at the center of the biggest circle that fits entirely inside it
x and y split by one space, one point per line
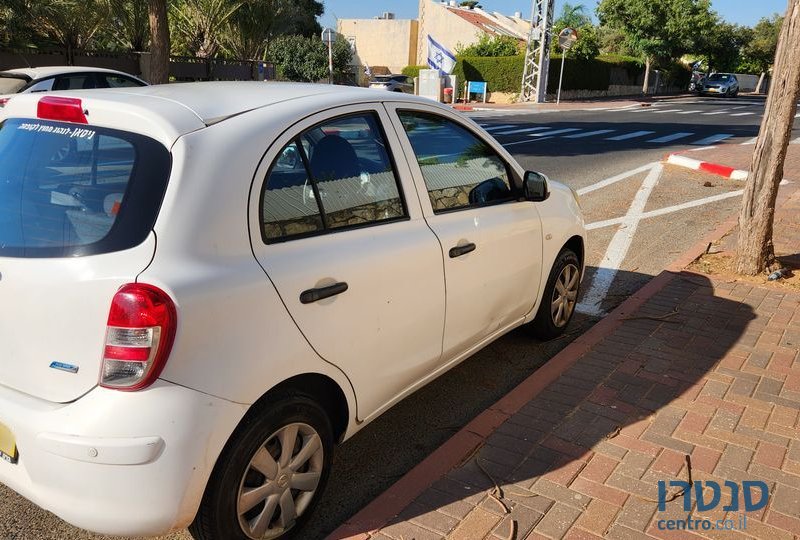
458 251
320 293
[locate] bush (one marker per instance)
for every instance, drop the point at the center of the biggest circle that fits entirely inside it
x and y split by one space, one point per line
413 71
492 46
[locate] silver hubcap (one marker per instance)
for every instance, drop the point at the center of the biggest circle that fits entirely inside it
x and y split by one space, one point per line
565 295
280 481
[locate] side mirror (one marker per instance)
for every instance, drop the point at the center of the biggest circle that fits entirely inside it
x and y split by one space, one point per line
534 187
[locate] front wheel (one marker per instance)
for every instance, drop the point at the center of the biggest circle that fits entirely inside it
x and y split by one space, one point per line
559 298
270 475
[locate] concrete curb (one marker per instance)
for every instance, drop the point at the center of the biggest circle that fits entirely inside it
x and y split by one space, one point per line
713 168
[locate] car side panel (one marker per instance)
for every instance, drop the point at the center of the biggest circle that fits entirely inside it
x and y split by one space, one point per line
235 339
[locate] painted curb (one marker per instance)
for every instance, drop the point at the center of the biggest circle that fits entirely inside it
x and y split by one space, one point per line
705 166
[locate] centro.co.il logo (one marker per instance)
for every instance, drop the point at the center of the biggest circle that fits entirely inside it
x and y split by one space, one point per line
707 496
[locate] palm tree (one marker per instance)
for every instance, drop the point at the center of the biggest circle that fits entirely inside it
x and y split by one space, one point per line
573 16
159 41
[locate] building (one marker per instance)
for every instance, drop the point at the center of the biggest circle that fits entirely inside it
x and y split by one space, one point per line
386 42
383 42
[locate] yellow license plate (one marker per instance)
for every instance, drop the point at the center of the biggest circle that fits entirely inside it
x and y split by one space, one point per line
8 445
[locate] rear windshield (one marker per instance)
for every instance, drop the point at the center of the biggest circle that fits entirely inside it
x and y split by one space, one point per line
11 85
719 77
70 190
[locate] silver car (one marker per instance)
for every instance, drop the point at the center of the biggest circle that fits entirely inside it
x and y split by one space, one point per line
721 84
393 83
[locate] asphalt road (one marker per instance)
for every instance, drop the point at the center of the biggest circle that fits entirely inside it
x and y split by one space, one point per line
640 216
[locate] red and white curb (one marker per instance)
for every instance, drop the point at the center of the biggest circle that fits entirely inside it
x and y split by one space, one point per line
696 165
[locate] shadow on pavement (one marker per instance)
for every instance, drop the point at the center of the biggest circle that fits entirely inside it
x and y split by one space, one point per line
652 363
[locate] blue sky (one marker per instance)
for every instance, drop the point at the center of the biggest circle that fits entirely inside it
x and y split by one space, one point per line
746 12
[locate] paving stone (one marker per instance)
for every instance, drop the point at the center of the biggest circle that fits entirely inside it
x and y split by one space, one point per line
636 514
557 521
476 526
598 517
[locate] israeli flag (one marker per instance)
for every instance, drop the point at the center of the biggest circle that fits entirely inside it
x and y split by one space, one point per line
439 57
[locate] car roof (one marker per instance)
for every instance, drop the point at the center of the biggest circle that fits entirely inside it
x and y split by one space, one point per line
168 111
49 71
213 102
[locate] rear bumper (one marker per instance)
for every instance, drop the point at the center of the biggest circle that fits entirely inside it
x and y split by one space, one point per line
114 462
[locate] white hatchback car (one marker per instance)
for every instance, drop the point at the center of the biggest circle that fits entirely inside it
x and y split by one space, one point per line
206 286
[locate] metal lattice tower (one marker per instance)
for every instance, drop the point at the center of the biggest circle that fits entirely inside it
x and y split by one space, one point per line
537 54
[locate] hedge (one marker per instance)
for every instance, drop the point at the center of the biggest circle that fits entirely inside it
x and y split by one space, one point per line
504 74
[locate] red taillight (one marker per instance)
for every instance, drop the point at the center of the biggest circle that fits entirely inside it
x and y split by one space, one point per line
139 335
61 109
3 102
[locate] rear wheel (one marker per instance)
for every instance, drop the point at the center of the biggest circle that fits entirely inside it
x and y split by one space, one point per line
559 298
269 477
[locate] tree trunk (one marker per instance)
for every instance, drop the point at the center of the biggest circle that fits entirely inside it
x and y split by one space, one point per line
159 42
755 251
646 85
760 84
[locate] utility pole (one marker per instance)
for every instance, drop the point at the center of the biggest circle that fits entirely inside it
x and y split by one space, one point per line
537 53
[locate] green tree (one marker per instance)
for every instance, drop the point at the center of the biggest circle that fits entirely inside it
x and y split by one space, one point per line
573 16
127 28
197 26
299 58
758 53
257 22
664 29
471 4
71 24
491 46
722 46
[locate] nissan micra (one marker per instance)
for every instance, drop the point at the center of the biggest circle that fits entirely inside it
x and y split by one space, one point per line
205 287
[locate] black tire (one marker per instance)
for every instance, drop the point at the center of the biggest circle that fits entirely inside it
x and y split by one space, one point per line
217 517
544 326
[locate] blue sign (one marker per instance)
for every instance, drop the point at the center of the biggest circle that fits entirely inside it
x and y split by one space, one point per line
476 87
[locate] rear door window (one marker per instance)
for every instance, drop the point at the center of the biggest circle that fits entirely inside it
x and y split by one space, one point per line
68 190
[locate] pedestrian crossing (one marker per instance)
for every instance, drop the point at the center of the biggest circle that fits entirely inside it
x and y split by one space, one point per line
521 134
733 112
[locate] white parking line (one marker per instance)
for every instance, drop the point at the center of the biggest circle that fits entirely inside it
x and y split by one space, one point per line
618 248
666 210
743 114
713 139
716 113
556 132
523 130
667 111
630 135
490 127
615 179
589 134
690 112
672 137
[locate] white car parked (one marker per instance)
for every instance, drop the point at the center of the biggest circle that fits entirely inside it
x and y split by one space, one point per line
61 78
206 286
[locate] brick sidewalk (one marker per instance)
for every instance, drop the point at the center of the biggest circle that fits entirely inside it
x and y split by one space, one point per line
687 367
